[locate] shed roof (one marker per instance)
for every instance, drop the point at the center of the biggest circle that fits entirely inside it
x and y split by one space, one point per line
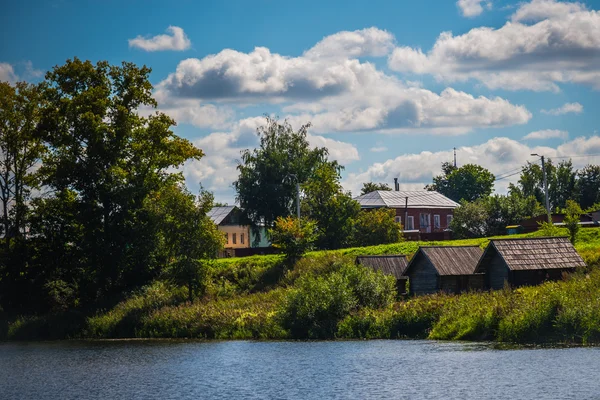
397 199
394 265
449 260
218 214
534 253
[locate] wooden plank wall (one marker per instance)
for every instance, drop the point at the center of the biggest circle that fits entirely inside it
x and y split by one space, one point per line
423 278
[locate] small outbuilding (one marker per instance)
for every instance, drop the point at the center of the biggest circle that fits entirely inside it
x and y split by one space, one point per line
393 265
527 261
450 269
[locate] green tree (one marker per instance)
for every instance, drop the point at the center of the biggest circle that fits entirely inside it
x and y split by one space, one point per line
588 180
372 187
564 185
112 159
326 203
20 151
470 220
293 237
572 218
188 239
469 182
373 227
266 185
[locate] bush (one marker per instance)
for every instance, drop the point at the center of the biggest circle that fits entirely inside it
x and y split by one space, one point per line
293 236
314 309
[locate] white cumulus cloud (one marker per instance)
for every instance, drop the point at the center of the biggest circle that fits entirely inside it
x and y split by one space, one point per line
335 90
175 39
473 8
7 73
567 108
546 43
547 134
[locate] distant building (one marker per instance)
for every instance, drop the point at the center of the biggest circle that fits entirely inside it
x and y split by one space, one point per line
449 269
422 211
529 261
533 224
240 240
227 220
393 265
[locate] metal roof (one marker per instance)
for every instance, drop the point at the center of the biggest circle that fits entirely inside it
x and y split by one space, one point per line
533 253
449 260
218 214
394 265
397 199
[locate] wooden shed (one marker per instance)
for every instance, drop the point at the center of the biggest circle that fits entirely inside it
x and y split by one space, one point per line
394 265
527 261
444 268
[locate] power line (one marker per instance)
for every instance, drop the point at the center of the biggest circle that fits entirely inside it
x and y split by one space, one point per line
508 176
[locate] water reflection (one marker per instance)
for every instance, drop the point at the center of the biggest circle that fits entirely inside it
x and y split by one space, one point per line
294 370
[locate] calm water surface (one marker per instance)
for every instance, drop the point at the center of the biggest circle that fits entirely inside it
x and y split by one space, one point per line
294 370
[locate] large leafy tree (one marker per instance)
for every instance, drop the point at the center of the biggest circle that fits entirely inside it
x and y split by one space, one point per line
20 151
563 185
372 187
111 158
469 182
588 180
326 203
266 185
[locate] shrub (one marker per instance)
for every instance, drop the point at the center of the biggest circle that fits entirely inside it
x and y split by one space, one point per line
293 237
314 309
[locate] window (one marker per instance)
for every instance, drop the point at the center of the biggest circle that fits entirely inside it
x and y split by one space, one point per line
424 220
241 238
233 237
448 220
436 221
226 238
399 220
410 223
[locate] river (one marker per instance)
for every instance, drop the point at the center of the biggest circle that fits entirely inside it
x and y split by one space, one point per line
294 370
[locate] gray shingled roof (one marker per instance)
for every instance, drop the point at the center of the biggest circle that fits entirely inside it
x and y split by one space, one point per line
450 260
218 214
535 253
416 199
394 265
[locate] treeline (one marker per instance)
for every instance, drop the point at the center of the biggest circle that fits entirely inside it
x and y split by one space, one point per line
91 206
570 191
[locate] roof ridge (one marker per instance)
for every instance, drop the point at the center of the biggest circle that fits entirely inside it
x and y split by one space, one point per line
448 247
531 238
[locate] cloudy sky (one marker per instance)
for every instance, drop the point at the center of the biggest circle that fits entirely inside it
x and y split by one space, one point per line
389 87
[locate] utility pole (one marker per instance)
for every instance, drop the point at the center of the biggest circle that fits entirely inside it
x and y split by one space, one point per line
545 187
455 157
298 199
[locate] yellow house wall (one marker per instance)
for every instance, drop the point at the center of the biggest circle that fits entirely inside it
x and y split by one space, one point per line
238 230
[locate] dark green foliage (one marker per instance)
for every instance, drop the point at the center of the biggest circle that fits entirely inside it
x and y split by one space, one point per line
334 210
266 186
372 187
314 309
469 182
588 182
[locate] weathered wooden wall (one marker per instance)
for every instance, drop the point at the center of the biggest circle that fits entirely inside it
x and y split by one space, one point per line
496 273
423 278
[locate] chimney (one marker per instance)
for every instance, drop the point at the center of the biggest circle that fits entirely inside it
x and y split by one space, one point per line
396 185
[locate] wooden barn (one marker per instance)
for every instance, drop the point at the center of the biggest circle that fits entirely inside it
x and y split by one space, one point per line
394 265
444 268
527 261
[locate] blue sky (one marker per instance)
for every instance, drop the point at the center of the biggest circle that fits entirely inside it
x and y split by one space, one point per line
390 86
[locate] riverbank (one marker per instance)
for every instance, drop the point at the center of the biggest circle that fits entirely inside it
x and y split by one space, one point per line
258 298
